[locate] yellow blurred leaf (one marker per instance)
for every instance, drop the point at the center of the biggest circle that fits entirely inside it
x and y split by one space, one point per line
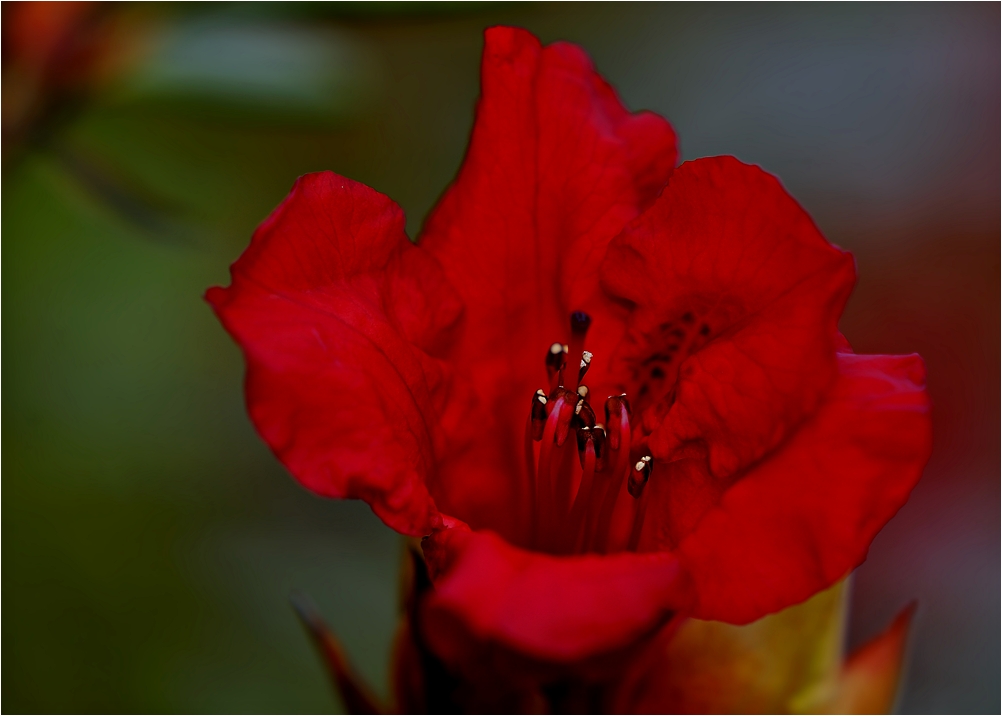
778 664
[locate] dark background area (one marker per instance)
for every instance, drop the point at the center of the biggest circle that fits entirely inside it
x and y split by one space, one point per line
150 541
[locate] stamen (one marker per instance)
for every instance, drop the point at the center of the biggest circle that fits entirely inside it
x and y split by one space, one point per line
566 479
584 415
622 519
638 481
617 417
531 478
586 357
567 413
598 435
534 426
575 532
585 439
617 411
537 415
639 477
555 361
544 483
616 408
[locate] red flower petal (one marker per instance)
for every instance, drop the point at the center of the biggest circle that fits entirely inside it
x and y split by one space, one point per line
335 311
554 609
737 294
805 516
555 168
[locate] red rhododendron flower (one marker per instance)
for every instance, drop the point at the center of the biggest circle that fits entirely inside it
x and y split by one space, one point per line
605 388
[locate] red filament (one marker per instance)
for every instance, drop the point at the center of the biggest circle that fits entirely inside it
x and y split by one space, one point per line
587 494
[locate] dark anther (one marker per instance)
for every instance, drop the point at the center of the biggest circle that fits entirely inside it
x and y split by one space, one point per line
615 406
639 476
687 317
585 436
568 418
580 321
561 392
595 436
704 330
538 415
555 358
599 437
586 357
584 416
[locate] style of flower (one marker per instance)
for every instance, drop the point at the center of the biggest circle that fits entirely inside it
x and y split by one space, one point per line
606 389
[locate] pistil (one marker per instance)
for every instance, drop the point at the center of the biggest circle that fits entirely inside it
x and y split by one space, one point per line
580 322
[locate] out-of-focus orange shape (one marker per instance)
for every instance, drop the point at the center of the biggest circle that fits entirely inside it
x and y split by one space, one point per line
869 680
58 54
33 31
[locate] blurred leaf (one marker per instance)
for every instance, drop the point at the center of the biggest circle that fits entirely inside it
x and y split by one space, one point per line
355 694
156 216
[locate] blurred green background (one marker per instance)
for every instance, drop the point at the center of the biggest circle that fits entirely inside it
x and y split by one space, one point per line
151 540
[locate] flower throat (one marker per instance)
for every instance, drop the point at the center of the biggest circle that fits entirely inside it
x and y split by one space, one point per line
586 493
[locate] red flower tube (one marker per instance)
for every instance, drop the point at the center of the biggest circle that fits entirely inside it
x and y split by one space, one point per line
604 388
